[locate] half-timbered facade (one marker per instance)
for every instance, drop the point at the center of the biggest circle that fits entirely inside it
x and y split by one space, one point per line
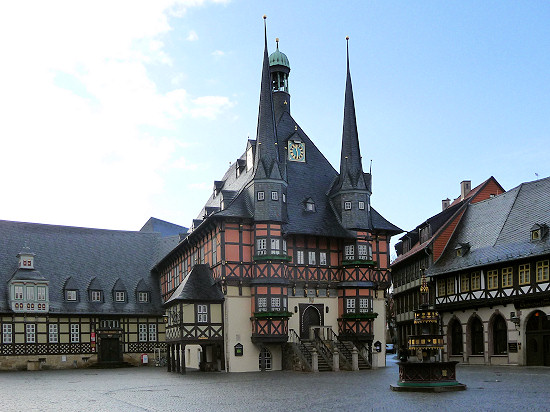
424 245
74 297
492 281
296 248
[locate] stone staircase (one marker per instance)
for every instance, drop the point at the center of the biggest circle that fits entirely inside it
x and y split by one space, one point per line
324 364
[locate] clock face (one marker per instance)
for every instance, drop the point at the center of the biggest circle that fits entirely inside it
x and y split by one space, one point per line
297 151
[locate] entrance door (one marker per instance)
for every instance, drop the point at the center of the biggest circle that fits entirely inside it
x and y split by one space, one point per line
110 350
537 336
310 315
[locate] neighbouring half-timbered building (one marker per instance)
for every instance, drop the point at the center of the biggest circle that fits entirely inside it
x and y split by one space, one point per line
75 297
419 248
298 252
492 282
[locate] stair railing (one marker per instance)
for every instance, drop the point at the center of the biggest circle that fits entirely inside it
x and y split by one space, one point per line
294 338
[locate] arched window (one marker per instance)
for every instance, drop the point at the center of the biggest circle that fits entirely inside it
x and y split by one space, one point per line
265 360
500 336
476 337
456 338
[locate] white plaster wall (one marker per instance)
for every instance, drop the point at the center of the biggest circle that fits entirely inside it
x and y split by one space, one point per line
485 314
238 329
330 318
379 330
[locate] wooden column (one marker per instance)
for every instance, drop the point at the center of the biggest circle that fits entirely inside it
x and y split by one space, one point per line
169 358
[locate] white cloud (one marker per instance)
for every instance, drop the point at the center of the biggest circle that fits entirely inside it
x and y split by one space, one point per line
210 106
200 186
85 128
218 53
193 36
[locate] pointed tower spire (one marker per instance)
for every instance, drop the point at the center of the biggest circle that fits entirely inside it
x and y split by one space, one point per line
266 134
350 158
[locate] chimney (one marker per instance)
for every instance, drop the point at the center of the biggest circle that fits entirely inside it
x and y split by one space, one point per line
445 203
465 187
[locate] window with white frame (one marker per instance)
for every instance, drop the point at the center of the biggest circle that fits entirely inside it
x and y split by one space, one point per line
152 332
323 258
363 251
120 296
70 295
7 333
300 257
261 196
363 305
75 333
262 304
95 296
350 305
18 291
41 293
284 247
30 333
347 205
142 332
261 246
202 313
361 205
311 258
349 252
276 304
143 297
30 292
274 196
275 246
53 336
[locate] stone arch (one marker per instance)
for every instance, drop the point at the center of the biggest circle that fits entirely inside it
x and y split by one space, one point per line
455 337
475 343
537 338
498 334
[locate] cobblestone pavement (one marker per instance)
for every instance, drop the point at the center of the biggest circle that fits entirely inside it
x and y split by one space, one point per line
505 388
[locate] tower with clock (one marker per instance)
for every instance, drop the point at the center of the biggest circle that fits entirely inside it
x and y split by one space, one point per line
295 245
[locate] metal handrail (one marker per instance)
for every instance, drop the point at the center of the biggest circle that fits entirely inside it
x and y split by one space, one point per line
341 346
324 350
294 338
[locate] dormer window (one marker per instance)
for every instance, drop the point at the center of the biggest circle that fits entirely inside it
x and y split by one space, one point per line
274 196
462 249
18 292
261 196
95 296
143 297
347 205
309 205
538 231
424 233
361 205
71 295
120 296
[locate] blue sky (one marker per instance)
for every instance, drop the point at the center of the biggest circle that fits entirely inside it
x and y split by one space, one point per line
117 111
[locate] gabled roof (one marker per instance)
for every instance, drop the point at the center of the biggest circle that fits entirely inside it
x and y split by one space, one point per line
498 229
439 221
198 285
71 257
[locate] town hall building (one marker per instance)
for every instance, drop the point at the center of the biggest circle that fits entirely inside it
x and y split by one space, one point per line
285 267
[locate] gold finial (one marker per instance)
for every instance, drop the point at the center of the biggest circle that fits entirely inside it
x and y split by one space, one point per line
265 17
277 40
347 37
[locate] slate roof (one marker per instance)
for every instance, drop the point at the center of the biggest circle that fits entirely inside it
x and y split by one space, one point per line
436 223
79 258
163 227
313 178
498 229
198 285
